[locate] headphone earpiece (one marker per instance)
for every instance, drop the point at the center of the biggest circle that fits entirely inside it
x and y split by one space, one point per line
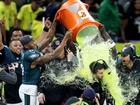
104 63
132 53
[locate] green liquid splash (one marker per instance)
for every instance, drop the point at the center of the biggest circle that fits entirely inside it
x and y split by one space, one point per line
93 47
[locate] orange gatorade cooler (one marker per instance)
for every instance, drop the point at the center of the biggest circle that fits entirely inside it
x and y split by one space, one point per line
74 15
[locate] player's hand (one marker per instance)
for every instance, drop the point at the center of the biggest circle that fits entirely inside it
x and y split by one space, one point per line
48 23
68 34
69 55
41 98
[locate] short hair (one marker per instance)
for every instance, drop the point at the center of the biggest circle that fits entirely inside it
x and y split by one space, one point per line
15 29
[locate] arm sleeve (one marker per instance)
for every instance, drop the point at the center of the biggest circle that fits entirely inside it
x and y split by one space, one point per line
10 77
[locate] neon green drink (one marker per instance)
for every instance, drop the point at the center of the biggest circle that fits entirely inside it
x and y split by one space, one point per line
93 47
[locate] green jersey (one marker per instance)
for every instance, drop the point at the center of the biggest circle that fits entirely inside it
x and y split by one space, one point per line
30 75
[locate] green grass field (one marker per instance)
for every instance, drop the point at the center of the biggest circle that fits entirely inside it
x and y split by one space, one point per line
119 46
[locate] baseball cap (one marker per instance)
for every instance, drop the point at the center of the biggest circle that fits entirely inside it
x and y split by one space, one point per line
126 51
89 94
26 39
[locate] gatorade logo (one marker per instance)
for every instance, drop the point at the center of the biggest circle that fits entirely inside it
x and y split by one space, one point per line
82 14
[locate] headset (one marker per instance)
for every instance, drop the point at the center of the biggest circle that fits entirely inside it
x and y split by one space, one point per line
130 51
94 64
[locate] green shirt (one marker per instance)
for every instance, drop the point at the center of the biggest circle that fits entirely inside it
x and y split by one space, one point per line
30 76
37 29
109 16
9 13
26 16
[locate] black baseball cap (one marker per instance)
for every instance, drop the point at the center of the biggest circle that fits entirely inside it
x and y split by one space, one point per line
26 39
